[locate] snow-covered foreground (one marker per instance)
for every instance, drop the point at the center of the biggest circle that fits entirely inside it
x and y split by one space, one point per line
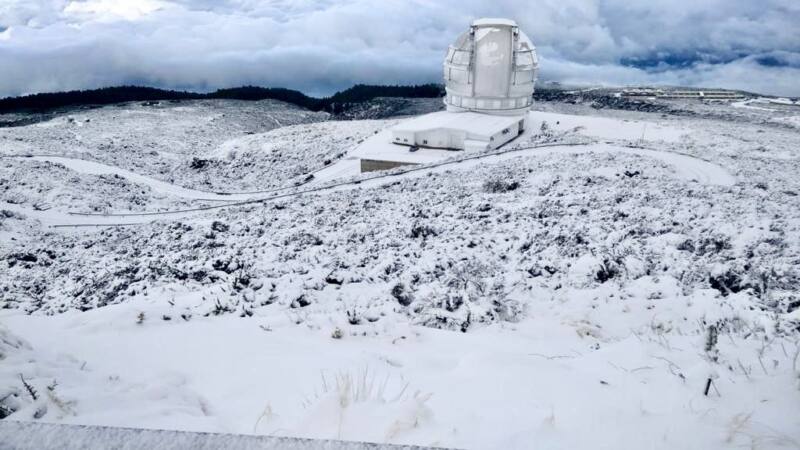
637 288
39 435
530 384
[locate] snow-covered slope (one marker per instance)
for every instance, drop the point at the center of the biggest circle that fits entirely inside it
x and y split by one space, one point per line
577 290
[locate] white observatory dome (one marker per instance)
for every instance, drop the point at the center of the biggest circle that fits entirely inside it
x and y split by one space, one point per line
491 69
489 76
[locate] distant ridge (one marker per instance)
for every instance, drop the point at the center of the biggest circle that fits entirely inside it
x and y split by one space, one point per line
120 94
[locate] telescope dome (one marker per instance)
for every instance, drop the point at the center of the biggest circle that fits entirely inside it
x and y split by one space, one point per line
491 68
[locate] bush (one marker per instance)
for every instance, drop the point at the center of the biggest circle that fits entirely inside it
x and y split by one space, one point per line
219 227
499 187
422 231
400 294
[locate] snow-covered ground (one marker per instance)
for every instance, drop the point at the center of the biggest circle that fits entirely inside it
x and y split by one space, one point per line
575 295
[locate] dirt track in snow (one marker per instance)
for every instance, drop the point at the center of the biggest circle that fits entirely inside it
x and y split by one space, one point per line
686 167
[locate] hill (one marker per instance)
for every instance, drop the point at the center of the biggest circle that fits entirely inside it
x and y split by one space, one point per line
120 94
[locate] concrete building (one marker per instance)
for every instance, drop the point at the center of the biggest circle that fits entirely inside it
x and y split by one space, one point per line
460 131
667 94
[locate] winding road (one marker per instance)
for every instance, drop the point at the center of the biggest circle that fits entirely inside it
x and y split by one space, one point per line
685 167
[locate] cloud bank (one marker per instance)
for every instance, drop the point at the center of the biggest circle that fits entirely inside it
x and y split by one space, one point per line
319 46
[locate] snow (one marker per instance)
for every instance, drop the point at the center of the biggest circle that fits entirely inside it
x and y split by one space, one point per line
783 101
163 141
748 104
536 380
791 120
377 147
36 436
482 124
685 167
380 146
558 293
95 168
609 128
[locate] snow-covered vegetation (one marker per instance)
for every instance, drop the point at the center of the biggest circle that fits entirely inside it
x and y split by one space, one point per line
640 290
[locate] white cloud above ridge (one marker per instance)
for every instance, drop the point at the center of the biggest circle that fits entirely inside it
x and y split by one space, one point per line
322 45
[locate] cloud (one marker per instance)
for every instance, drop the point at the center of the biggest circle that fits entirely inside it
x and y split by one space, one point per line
319 46
112 10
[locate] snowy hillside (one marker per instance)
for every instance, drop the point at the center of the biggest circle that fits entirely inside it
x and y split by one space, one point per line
613 279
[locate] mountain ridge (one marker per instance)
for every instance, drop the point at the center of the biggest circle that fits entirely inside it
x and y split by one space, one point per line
359 93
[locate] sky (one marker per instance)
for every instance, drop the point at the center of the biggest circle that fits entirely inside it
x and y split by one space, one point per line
320 46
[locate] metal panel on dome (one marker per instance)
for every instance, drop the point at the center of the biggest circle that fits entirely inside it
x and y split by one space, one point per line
492 61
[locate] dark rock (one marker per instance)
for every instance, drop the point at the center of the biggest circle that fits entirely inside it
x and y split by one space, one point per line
334 279
300 302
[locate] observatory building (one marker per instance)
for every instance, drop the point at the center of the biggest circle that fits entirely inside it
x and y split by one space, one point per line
489 75
491 69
